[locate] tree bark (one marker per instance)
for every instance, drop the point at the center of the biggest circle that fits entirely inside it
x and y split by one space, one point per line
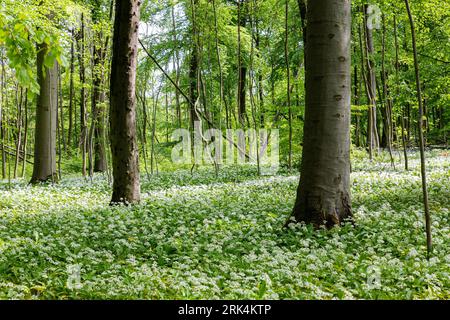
83 127
98 112
288 77
71 92
323 195
44 167
420 129
242 71
193 70
176 67
372 132
124 149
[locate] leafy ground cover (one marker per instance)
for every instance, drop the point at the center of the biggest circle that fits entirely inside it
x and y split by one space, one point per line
202 236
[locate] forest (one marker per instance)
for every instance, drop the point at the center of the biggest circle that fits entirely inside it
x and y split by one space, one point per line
224 149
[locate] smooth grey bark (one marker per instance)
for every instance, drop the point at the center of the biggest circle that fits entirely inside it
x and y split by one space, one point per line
323 194
44 167
124 148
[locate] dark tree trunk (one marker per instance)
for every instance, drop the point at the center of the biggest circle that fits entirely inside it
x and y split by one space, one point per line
356 97
420 129
288 77
193 87
98 112
242 70
193 70
372 131
176 67
124 149
71 93
44 167
323 195
83 127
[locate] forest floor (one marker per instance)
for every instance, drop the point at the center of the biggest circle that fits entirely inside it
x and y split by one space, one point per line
205 237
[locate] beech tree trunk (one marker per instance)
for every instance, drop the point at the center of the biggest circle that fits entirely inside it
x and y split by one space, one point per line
323 195
124 148
44 167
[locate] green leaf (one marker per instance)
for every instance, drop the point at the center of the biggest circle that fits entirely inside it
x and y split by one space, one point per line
50 59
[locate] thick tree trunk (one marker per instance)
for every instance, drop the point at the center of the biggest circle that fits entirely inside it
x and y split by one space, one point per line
124 149
44 167
323 195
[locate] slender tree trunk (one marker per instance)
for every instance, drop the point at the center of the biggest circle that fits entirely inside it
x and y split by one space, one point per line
242 71
260 79
19 133
83 127
25 133
323 195
302 9
193 70
98 112
124 149
288 77
254 140
176 66
397 67
372 132
219 62
61 110
44 167
2 117
71 91
387 99
152 150
420 129
356 97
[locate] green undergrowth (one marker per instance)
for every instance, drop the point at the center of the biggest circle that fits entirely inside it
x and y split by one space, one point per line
198 236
